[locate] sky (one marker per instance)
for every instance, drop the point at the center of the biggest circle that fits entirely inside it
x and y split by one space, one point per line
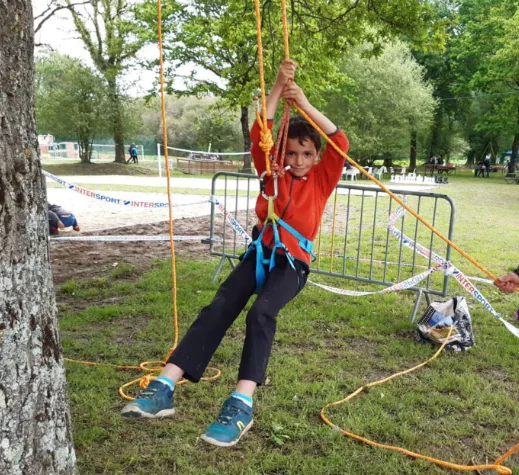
59 34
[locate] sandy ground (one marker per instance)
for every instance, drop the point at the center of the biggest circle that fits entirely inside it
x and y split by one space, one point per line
94 215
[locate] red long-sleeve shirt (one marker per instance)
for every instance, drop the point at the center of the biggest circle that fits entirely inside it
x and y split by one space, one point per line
301 200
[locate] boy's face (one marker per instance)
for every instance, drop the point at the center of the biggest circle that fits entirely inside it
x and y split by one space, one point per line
301 158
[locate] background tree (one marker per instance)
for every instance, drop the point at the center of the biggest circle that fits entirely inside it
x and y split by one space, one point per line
445 137
34 417
194 123
110 34
71 100
386 104
487 67
219 37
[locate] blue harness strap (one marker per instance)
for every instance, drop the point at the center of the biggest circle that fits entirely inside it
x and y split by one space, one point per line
304 243
273 221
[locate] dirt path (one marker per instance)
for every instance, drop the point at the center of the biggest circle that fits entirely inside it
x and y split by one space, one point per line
84 259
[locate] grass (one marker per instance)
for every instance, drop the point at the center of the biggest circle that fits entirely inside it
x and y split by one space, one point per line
462 407
59 168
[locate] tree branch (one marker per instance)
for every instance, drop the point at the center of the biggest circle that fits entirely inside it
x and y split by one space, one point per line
52 13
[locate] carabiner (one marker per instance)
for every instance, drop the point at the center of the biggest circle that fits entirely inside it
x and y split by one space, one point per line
262 187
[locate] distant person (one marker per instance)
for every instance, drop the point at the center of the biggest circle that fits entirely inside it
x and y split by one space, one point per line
479 169
134 155
486 162
64 217
509 282
55 223
440 160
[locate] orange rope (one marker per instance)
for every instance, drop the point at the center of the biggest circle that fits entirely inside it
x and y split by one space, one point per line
395 197
157 366
371 177
266 142
166 158
507 454
496 466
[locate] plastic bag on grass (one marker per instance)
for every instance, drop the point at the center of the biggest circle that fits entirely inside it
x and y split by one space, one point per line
438 317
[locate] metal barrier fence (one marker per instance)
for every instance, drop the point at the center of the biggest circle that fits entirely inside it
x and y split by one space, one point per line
357 244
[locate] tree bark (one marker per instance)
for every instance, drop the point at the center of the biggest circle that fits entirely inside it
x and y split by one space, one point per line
85 149
117 120
412 152
244 120
35 433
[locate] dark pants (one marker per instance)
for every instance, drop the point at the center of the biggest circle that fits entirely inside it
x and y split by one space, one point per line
205 335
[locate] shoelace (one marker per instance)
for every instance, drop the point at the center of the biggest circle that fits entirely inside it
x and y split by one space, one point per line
148 393
228 414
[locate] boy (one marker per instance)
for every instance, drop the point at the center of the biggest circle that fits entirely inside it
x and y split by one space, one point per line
302 195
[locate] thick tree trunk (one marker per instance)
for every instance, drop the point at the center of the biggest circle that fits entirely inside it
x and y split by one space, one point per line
35 435
85 150
117 121
412 152
244 119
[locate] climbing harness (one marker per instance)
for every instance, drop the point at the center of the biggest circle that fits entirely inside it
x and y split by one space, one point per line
273 220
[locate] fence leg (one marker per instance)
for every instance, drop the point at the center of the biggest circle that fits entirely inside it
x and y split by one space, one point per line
419 293
218 269
220 265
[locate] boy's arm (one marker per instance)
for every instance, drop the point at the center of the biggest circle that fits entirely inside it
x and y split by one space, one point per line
285 74
329 169
294 92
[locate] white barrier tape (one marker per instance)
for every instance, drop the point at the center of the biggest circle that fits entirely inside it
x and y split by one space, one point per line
231 219
116 201
453 271
130 237
406 284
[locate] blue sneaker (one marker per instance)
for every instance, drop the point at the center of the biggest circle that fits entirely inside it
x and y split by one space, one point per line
234 420
153 402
